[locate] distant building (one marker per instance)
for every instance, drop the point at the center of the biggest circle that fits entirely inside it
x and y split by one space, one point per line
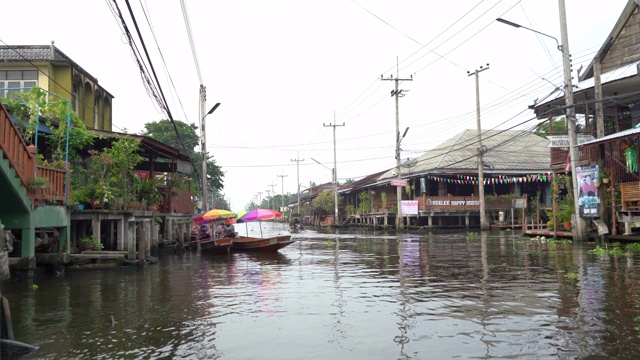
25 66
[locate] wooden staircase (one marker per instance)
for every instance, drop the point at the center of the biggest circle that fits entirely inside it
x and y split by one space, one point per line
22 209
348 220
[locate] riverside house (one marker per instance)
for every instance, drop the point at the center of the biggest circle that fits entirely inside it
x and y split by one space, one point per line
41 221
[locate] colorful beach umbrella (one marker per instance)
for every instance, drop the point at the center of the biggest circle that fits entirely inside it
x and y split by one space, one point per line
213 215
257 215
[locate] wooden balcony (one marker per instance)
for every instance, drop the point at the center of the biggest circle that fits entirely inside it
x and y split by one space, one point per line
54 192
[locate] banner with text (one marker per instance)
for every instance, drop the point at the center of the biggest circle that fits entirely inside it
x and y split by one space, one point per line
409 207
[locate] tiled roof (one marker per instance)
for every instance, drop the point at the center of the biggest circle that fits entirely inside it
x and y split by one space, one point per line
508 151
31 53
38 53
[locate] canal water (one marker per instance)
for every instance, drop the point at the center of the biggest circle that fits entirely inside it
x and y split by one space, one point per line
353 294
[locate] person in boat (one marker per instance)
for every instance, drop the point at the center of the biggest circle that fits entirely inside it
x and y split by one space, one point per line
297 225
219 230
229 231
204 232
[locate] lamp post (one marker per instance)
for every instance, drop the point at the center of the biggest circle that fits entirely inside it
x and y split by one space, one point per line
398 93
578 228
203 148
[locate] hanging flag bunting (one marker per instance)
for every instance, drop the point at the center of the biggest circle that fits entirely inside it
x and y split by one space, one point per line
498 179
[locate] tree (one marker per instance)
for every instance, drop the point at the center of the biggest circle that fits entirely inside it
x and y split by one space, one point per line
558 126
324 202
163 131
30 106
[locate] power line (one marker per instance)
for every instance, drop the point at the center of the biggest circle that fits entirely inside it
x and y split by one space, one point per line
163 102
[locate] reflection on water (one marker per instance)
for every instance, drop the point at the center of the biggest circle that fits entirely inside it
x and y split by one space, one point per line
344 295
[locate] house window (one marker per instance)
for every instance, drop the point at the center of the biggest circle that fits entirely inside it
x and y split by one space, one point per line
74 97
96 103
12 81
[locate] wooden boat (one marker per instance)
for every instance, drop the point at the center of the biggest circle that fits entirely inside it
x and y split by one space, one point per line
215 246
269 244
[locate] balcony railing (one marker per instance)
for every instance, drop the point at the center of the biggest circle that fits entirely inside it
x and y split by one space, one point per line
54 192
21 158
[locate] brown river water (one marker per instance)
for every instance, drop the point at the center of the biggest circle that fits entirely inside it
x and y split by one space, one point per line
352 294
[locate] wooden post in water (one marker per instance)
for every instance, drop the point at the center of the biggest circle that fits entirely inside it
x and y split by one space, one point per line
555 205
147 226
142 246
131 238
524 217
614 227
181 238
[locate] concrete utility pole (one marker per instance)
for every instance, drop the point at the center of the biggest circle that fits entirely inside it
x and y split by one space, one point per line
282 199
273 192
297 160
579 231
268 199
398 94
259 199
484 225
203 144
336 217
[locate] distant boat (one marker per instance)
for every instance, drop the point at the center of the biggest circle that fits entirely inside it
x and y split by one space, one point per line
268 244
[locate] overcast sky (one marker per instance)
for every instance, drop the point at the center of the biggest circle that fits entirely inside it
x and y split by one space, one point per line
281 69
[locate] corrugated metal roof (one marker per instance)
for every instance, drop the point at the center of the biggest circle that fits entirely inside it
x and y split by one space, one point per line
508 151
621 134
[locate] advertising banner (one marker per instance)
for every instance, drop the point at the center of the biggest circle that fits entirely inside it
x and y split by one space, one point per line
588 197
409 207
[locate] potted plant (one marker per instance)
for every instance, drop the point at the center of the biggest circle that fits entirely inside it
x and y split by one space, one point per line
91 243
566 208
148 190
604 176
79 197
349 209
153 199
38 183
102 194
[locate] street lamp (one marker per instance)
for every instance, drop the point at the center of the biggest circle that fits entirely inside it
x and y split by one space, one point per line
524 27
578 228
203 148
335 191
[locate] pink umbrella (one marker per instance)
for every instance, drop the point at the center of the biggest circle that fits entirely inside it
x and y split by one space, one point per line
259 215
